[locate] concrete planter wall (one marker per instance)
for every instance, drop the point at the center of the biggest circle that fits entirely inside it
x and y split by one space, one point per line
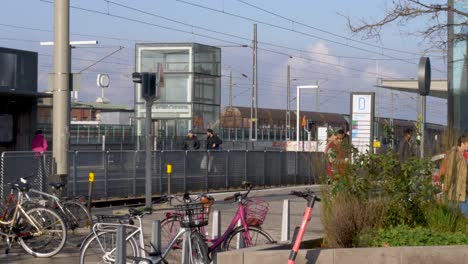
391 255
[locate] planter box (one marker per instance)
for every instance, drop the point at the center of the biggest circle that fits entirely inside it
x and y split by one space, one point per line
390 255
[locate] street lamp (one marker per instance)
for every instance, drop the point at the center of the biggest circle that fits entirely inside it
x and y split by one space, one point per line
298 101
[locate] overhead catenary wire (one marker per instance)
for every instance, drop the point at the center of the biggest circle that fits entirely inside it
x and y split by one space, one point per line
292 30
218 39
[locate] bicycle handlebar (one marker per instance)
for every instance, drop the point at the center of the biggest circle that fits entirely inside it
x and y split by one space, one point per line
306 194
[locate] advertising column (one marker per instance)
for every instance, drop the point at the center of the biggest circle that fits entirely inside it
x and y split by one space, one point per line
362 121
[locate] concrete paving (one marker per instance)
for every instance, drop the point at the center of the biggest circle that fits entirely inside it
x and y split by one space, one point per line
272 224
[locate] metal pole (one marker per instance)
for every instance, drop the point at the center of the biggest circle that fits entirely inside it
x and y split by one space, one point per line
255 80
121 247
61 92
230 89
149 136
316 123
288 106
298 116
423 122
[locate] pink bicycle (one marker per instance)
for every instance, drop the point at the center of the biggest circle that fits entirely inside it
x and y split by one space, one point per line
251 214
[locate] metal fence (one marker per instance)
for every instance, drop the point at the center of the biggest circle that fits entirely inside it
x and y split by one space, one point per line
121 173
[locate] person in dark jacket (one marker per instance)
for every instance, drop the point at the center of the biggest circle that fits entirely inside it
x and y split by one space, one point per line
212 140
406 148
192 142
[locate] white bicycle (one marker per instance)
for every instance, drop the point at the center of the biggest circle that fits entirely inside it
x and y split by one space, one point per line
100 245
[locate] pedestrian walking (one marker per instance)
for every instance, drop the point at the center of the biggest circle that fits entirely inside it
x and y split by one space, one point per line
406 148
191 142
39 142
455 172
213 143
212 140
39 146
336 153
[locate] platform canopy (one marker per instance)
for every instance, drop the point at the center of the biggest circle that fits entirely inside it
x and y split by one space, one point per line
439 88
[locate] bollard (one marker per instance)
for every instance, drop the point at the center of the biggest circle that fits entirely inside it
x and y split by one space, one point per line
121 249
285 221
90 189
216 224
156 236
169 172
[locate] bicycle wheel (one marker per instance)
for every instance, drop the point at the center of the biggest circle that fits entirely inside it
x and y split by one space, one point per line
97 249
78 221
199 249
44 234
239 238
169 228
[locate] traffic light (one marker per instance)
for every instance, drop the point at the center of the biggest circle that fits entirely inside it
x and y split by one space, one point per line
148 83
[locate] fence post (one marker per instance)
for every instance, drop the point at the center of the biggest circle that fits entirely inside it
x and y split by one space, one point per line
185 170
2 174
208 167
121 254
161 162
106 172
227 169
296 169
75 153
264 168
135 156
246 164
285 221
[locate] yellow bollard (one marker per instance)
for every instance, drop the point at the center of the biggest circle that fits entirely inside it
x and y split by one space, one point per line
90 189
169 172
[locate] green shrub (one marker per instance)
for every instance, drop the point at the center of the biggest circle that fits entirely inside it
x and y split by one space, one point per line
345 217
404 235
400 192
441 217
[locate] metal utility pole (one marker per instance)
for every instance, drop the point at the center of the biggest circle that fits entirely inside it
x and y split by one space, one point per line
148 156
253 109
288 105
230 89
61 90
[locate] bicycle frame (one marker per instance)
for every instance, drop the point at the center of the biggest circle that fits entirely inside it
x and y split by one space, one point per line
240 215
99 228
18 210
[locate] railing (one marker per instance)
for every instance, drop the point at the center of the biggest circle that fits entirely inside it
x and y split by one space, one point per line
121 174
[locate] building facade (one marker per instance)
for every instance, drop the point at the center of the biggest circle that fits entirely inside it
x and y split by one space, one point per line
191 96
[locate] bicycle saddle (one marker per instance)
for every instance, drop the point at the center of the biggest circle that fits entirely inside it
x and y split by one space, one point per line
57 185
23 187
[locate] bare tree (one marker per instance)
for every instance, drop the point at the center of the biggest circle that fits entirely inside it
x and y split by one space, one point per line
403 12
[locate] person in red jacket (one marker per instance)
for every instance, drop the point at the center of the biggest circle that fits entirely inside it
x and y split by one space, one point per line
39 142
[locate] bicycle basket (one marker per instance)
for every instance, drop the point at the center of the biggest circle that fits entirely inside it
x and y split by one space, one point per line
256 211
114 219
192 215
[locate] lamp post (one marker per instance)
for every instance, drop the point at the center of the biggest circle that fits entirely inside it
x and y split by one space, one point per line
298 101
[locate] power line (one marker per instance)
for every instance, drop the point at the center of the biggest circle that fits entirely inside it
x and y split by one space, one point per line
322 30
291 30
210 37
244 38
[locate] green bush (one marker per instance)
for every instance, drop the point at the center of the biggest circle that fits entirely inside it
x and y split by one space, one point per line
404 235
440 217
400 193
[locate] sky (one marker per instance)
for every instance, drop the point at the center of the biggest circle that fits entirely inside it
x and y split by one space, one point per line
311 36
